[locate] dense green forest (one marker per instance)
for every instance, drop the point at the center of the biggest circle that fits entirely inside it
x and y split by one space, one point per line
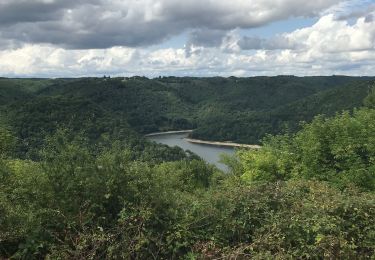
78 180
220 109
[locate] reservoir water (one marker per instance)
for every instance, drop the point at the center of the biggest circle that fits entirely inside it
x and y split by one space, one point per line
209 153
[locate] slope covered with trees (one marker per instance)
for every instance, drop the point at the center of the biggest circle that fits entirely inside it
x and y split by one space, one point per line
223 109
78 181
251 126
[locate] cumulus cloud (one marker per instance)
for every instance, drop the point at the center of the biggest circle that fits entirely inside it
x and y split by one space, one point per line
331 35
330 46
276 43
327 35
203 38
23 11
352 9
85 24
206 38
89 38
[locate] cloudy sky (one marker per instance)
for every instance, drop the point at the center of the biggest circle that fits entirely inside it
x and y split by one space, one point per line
71 38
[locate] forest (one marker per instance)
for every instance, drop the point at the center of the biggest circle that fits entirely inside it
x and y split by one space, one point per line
78 180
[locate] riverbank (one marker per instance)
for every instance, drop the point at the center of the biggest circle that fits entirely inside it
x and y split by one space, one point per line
211 143
169 132
223 144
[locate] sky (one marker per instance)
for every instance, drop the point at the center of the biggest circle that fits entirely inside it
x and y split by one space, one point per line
78 38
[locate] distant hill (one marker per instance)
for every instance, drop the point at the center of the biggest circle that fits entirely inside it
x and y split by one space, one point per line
249 126
235 109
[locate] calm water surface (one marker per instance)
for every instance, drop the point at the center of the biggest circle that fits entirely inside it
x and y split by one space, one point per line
209 153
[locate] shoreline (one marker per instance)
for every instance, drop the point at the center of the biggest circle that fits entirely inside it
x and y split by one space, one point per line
223 144
169 132
203 142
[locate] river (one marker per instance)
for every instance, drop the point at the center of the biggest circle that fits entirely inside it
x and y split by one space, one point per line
209 153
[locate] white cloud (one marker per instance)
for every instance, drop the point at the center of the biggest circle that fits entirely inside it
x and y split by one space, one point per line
330 46
85 24
327 35
331 36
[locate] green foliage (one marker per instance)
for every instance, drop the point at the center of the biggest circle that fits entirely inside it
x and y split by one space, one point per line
22 204
339 150
7 142
77 206
331 223
297 219
77 181
220 109
370 99
234 123
76 203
